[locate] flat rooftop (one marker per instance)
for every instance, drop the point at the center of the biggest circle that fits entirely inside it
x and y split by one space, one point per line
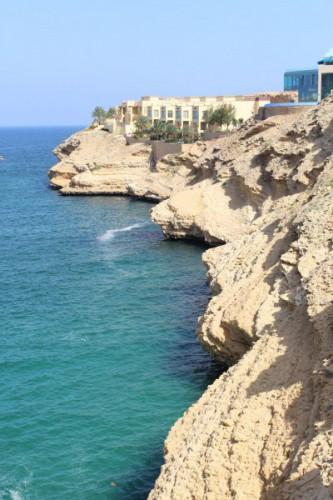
289 104
301 70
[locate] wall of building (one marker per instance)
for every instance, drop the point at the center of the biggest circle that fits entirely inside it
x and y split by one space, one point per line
160 149
324 69
269 111
192 110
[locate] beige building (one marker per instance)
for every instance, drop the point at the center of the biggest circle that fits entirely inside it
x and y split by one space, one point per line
188 111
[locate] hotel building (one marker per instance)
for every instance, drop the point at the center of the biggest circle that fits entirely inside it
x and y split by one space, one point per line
302 90
189 111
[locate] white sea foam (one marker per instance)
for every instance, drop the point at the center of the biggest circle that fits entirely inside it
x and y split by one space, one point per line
16 492
15 495
12 494
111 233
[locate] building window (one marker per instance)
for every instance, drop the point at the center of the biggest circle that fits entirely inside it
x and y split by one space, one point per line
327 85
149 112
195 113
178 113
163 113
156 113
303 81
170 113
185 115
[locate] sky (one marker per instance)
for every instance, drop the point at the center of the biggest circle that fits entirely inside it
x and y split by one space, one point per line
61 58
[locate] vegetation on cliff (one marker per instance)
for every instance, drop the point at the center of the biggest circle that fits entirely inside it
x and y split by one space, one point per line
100 114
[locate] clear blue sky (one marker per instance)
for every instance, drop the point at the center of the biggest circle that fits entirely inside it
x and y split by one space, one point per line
60 58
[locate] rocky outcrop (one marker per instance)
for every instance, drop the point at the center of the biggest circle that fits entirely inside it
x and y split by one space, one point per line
263 196
97 162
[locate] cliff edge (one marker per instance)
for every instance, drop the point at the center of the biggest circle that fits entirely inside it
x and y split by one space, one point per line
263 196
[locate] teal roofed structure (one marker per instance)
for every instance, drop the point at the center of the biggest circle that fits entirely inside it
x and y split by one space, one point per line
328 58
312 84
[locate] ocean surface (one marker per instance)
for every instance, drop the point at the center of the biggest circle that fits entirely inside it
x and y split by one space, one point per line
98 350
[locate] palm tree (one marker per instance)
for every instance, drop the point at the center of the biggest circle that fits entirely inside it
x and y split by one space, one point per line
142 127
158 130
190 134
224 115
230 114
172 133
99 114
111 113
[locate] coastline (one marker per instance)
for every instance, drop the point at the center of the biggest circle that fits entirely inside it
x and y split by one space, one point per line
255 432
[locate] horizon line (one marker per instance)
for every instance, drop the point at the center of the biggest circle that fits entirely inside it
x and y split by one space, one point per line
42 126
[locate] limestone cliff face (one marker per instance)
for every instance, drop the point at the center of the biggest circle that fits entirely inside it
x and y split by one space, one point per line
264 429
263 196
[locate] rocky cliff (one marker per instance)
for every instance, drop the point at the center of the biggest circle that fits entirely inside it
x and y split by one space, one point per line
97 162
263 196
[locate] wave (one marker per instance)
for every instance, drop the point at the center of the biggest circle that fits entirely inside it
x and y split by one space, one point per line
15 495
17 490
111 233
10 494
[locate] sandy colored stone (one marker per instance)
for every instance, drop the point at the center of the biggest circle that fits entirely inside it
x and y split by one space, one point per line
264 429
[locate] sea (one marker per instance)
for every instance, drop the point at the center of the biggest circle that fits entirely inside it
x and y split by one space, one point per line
98 318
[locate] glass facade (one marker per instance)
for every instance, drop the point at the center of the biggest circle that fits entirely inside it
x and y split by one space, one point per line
326 84
305 82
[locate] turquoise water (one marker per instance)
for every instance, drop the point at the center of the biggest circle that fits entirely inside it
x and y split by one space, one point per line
98 351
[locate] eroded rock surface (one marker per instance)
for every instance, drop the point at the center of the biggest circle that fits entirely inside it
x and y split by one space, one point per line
97 162
264 429
263 196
